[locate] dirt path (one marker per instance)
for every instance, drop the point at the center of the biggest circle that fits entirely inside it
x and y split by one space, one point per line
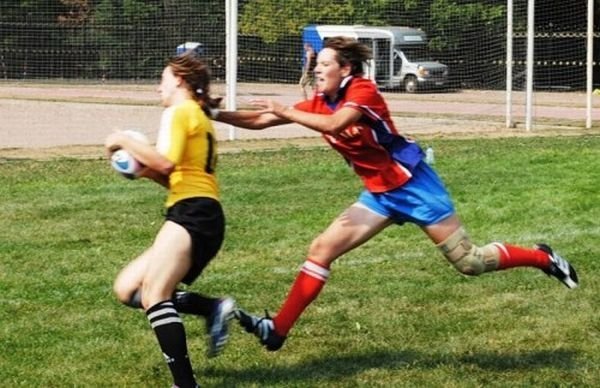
46 119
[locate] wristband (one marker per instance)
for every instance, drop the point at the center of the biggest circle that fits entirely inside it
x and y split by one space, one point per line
214 113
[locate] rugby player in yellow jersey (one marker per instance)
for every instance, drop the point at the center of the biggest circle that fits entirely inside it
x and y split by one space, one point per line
184 162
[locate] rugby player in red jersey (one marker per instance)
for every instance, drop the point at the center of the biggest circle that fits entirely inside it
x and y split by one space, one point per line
399 186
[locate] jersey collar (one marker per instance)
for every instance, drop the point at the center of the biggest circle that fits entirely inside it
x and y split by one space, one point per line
340 94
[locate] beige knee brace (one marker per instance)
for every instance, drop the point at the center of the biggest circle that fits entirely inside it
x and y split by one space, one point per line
467 258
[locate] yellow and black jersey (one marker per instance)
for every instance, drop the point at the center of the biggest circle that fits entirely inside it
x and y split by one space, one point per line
187 138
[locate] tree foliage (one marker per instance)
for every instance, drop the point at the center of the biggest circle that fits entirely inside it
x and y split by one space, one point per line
131 38
452 21
102 38
273 19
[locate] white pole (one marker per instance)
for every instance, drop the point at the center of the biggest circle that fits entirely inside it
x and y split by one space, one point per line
509 66
590 61
530 40
231 31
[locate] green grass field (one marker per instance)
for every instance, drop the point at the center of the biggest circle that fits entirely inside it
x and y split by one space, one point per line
393 314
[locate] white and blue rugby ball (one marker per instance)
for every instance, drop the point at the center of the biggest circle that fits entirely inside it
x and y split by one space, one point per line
123 162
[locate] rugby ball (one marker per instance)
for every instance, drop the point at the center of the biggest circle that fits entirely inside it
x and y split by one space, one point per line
125 164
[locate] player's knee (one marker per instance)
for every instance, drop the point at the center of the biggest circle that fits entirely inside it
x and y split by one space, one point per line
127 296
121 292
477 261
322 251
317 248
468 258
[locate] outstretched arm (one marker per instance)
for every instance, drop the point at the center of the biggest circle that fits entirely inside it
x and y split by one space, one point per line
329 124
250 119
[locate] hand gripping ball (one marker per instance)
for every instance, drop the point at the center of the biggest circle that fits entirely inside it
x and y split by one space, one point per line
123 162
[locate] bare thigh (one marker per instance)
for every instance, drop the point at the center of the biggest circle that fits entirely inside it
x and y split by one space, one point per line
159 269
130 278
353 227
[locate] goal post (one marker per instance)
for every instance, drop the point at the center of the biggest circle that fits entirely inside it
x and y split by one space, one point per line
231 54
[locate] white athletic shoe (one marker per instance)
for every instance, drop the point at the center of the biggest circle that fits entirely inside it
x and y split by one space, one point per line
217 326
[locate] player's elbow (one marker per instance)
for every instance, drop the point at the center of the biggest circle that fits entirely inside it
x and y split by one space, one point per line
332 128
167 170
164 167
341 121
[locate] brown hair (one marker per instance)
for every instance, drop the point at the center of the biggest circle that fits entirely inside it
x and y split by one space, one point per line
196 74
349 51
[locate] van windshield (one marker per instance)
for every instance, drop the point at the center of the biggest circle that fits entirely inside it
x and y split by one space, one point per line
416 53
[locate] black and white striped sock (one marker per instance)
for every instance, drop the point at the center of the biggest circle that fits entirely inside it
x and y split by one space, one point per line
169 330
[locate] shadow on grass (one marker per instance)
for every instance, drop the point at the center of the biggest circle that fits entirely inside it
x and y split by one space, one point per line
557 359
343 366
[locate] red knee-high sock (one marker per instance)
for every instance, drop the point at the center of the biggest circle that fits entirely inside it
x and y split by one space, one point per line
514 256
306 288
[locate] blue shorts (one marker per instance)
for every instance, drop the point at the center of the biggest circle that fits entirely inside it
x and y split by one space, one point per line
423 200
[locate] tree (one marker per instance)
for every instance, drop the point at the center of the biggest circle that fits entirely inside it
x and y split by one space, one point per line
273 19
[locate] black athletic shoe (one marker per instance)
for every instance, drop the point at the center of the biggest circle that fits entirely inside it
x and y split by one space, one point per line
216 325
560 268
262 328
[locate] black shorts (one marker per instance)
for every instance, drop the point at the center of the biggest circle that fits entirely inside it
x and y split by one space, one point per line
204 220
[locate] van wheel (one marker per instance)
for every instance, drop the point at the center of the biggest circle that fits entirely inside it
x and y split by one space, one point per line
410 84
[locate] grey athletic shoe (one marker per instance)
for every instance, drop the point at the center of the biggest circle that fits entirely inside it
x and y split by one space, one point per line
559 267
262 328
216 326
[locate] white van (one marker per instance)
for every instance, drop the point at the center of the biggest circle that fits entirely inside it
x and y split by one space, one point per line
400 54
